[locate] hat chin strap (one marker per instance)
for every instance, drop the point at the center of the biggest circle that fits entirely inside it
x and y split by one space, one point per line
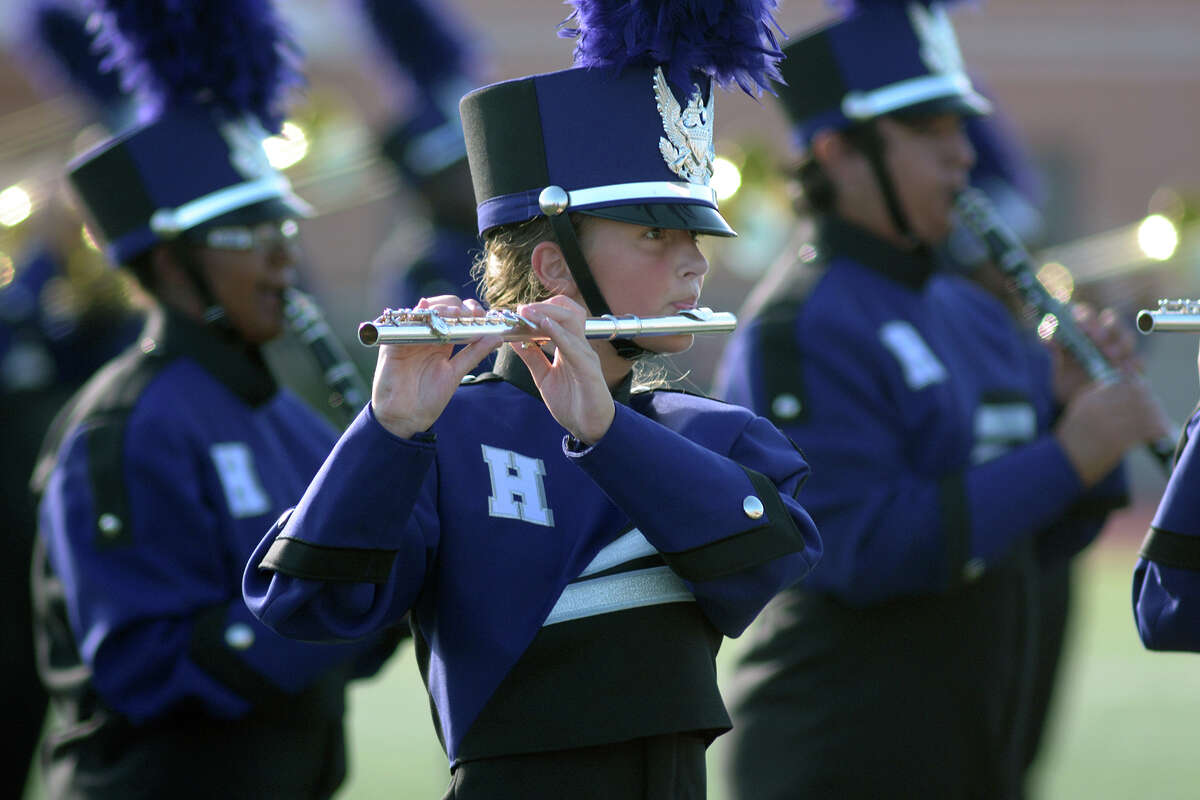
214 312
883 177
564 234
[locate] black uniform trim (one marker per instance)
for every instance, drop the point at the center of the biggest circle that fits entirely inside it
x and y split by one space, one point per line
210 652
775 332
778 537
599 679
301 559
1171 549
782 372
112 524
1183 438
956 522
911 268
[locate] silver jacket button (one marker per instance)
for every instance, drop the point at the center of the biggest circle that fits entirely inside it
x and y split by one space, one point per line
786 406
973 569
753 507
239 636
110 525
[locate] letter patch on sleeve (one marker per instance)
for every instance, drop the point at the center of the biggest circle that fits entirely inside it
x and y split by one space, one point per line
921 367
1001 426
517 488
244 493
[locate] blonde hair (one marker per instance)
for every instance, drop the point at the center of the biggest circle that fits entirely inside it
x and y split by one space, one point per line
504 277
503 271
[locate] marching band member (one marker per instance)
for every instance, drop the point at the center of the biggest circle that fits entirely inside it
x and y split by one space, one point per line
573 548
948 451
160 475
48 348
1166 580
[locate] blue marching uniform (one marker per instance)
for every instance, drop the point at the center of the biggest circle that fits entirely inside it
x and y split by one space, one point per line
1166 580
158 480
938 486
562 597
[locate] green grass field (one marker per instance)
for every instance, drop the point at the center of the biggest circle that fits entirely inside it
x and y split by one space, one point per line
1125 724
1123 727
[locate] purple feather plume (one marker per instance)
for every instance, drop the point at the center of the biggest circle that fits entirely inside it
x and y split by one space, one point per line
233 54
422 40
61 32
733 41
55 48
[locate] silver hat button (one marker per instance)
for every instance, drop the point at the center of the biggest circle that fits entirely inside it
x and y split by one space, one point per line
553 200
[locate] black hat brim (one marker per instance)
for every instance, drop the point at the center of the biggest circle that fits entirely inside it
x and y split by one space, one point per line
966 105
275 209
675 216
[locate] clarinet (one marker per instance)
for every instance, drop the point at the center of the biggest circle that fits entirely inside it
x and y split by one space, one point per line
1009 253
348 391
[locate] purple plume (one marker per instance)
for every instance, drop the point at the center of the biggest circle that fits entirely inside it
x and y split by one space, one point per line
233 54
733 41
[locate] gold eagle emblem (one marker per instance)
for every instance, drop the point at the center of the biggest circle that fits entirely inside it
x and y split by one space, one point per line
688 146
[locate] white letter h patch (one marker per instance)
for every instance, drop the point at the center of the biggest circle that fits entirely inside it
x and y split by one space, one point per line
517 489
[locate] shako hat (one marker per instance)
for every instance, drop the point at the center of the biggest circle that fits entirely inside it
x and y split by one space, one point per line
881 57
628 132
211 76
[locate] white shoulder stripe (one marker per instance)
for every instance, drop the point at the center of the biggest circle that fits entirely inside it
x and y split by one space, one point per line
624 590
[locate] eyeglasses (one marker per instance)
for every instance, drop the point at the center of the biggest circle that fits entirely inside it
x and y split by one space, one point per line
264 237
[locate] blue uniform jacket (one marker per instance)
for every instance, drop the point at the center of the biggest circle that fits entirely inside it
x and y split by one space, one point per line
926 416
1166 580
498 532
157 485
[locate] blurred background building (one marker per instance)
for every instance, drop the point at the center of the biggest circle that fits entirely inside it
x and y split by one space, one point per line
1105 92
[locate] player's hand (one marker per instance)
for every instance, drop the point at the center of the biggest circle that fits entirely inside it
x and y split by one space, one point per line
1105 421
572 385
1115 340
413 383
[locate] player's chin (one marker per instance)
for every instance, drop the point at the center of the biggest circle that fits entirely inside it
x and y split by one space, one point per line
261 329
666 345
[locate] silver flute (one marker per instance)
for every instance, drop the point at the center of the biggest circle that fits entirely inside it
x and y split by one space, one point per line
423 326
1180 315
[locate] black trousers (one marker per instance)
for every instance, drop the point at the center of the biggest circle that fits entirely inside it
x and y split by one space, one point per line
669 767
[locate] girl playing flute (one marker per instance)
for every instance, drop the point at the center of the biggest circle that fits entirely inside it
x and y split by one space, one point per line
571 550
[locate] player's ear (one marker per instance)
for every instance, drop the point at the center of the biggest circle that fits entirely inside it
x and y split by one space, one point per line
549 266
